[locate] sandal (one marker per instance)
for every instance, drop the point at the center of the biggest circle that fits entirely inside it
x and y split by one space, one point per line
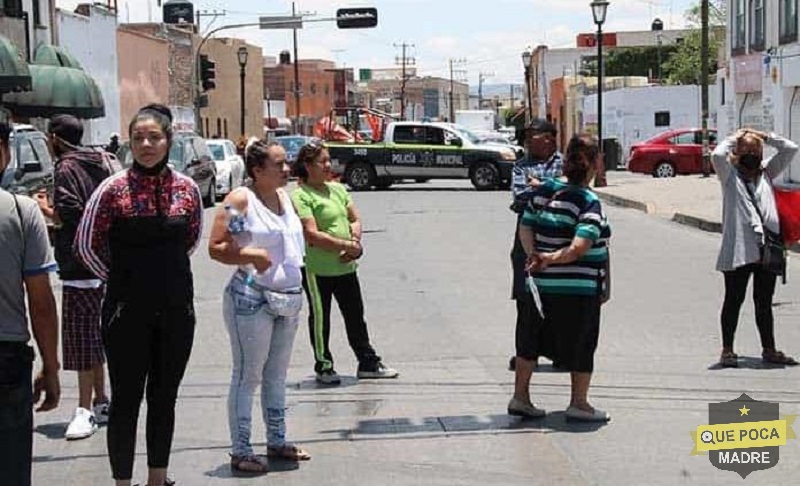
729 359
249 464
290 452
777 357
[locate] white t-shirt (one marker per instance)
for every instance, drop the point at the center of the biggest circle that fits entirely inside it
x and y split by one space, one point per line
282 237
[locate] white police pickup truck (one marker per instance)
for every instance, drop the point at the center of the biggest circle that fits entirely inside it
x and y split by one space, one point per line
422 151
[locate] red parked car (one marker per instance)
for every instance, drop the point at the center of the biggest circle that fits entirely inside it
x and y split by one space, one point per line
671 153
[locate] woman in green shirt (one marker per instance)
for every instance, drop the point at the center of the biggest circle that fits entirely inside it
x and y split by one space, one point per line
332 229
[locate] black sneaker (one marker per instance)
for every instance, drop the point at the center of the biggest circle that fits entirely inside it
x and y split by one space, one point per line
377 371
328 377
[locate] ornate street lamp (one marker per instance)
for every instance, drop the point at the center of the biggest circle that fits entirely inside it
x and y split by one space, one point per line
599 9
242 56
526 62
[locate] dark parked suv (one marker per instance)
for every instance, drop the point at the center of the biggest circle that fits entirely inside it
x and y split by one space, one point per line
31 167
189 154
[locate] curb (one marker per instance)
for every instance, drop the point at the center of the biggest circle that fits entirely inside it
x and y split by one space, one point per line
696 222
624 202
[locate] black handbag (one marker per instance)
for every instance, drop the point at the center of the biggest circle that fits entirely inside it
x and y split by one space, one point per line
773 251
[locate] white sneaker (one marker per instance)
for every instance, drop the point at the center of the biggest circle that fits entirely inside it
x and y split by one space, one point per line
101 412
82 425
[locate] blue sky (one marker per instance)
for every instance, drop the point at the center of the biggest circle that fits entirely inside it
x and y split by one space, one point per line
490 35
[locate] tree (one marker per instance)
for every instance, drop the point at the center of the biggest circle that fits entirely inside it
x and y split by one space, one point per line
717 14
635 61
684 66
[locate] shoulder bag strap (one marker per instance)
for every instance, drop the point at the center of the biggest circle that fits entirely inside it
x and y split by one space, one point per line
21 229
754 201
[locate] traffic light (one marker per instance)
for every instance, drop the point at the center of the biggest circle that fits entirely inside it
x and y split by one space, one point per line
207 73
356 18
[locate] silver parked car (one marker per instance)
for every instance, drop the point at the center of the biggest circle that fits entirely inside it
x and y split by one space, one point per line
230 166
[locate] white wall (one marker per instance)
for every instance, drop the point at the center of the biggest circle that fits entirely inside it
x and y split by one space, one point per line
93 42
629 113
39 34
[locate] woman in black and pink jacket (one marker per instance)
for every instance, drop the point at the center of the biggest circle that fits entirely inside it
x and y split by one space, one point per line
138 231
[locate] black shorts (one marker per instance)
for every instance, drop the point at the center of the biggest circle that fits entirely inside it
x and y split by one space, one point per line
530 339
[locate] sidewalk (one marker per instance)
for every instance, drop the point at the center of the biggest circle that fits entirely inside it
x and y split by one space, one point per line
691 200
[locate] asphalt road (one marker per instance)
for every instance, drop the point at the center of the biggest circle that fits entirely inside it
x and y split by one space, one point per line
436 277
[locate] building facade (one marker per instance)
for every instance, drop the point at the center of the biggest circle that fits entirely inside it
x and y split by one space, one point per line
317 87
222 116
548 64
759 87
425 98
143 72
78 32
182 43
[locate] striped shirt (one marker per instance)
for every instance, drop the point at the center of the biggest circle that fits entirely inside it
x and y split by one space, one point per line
559 212
524 169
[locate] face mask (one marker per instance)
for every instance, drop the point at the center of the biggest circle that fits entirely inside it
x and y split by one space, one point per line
750 161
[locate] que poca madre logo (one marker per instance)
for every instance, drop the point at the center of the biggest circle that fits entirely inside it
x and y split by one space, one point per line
743 435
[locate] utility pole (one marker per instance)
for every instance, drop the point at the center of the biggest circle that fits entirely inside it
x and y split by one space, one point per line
207 13
453 63
296 78
481 78
704 61
403 61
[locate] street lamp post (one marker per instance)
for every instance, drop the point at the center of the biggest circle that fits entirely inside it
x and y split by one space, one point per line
657 26
526 61
269 109
242 55
599 8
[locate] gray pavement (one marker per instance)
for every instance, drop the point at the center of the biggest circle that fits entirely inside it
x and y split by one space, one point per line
436 278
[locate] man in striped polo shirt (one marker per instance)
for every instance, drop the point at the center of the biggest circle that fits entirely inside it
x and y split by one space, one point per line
541 162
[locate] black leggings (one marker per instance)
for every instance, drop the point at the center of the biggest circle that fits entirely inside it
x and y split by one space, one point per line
347 291
152 346
735 289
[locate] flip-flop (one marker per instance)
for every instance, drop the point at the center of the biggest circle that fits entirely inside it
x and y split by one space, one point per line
249 464
290 452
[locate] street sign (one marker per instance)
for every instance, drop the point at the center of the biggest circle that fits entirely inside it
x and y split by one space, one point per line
281 22
356 18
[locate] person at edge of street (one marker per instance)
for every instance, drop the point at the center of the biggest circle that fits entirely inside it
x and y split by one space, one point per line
742 170
262 301
332 228
565 236
542 161
78 172
140 227
113 143
25 266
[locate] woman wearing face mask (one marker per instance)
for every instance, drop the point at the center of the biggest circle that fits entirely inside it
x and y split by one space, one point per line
749 215
262 301
137 233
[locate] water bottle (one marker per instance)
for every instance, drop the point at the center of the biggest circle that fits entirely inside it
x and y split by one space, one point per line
239 229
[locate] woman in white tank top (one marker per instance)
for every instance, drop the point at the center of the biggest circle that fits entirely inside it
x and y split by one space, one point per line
258 230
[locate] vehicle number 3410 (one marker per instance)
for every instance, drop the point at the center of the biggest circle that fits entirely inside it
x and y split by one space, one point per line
360 152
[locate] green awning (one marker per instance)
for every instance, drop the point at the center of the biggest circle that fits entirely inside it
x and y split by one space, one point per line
57 90
50 55
14 74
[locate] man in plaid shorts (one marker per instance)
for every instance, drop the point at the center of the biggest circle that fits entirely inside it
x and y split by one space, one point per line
78 172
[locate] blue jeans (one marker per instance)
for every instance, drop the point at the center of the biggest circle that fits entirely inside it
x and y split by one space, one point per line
261 347
16 413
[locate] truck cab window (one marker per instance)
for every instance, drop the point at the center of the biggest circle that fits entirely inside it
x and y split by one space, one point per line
409 135
435 136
